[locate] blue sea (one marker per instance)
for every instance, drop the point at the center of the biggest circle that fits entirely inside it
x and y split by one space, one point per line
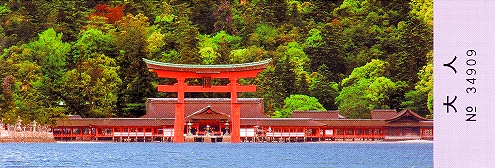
333 154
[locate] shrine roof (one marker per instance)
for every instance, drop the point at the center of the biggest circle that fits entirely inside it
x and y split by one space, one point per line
207 68
383 114
427 123
353 122
207 113
84 122
406 113
317 114
165 107
281 122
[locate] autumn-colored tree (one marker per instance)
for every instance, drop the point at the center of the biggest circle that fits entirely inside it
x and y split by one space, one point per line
112 14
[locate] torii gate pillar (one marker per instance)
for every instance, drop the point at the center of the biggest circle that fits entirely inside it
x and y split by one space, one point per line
235 114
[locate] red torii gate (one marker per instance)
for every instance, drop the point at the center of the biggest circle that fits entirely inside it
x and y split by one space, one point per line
181 72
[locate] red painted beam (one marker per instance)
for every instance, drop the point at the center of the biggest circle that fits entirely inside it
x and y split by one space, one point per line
190 75
175 88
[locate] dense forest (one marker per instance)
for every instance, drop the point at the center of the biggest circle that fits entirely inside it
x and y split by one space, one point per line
78 57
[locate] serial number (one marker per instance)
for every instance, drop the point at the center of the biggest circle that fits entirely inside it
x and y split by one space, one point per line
471 89
471 71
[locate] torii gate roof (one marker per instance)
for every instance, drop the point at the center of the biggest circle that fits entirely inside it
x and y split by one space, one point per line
206 68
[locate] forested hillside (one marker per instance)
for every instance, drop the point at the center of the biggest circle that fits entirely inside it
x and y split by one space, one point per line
85 57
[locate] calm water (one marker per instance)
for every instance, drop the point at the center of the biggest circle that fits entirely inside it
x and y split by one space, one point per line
377 154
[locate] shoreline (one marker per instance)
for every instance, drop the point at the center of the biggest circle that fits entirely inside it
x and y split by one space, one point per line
321 142
26 137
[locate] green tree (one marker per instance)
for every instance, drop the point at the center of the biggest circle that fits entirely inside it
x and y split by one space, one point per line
7 104
177 38
91 89
294 14
274 11
323 89
263 36
297 57
246 18
224 19
267 89
187 37
326 46
365 89
51 54
298 102
92 41
23 89
420 100
203 15
137 81
17 24
423 9
249 54
416 40
225 43
285 77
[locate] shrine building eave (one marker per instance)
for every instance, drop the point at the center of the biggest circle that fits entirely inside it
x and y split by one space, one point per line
207 69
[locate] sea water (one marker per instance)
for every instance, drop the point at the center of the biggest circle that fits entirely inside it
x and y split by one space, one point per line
336 154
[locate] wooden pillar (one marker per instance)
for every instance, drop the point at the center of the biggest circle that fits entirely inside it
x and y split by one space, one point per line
353 133
335 134
373 134
96 133
179 112
421 130
304 130
345 130
163 134
235 116
113 133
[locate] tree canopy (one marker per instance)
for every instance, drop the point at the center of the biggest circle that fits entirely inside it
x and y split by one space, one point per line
365 89
85 57
298 102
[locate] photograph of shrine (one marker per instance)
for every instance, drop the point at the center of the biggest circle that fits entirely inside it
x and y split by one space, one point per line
235 119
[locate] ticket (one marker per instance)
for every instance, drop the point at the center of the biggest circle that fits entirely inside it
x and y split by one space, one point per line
464 83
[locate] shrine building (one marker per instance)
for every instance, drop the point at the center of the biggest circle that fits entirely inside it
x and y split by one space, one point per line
234 119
